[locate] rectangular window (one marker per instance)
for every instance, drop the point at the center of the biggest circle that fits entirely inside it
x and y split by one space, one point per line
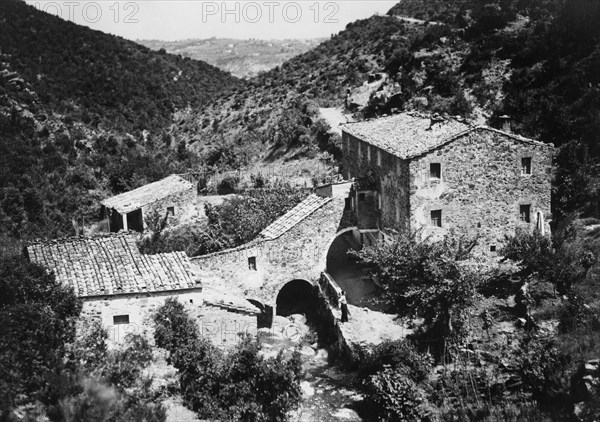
492 248
170 210
525 213
435 171
347 204
526 165
378 157
252 263
120 319
436 218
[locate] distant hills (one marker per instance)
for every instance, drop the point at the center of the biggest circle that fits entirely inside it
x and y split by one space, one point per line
242 58
99 78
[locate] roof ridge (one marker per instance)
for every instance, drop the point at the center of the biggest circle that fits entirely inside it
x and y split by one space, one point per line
79 238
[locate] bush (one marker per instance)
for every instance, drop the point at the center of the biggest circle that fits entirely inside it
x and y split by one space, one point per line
391 396
400 355
241 385
227 185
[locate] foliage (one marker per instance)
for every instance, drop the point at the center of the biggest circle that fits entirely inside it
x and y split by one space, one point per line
37 316
227 185
391 396
236 221
425 278
551 261
400 355
240 385
546 372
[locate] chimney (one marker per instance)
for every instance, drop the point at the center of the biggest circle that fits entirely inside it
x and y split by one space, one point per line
505 123
436 118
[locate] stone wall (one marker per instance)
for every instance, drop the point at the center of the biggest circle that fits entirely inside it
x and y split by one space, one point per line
299 253
480 190
391 176
221 325
184 204
481 186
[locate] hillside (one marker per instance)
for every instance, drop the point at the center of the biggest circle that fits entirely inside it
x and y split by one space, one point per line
537 61
83 115
242 58
102 79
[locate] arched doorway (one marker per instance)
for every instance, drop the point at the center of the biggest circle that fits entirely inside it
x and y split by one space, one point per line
296 297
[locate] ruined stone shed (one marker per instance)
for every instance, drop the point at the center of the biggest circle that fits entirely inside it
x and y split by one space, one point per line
171 198
444 174
122 287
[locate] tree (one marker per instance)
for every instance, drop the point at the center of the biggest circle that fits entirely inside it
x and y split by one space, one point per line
37 319
240 385
425 278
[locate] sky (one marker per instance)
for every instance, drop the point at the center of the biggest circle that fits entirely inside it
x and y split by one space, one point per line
171 20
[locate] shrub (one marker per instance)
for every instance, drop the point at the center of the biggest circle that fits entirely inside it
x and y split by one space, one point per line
391 396
241 385
227 185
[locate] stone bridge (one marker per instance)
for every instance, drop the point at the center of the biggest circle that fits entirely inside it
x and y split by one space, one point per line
288 257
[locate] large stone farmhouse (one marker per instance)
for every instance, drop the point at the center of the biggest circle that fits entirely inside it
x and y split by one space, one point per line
122 288
441 174
170 198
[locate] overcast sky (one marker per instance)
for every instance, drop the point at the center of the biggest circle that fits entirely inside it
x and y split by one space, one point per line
176 19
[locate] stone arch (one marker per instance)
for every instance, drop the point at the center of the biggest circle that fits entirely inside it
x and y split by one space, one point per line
323 259
295 296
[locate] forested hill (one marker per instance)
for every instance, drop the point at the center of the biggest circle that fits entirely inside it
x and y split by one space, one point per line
535 60
84 115
102 79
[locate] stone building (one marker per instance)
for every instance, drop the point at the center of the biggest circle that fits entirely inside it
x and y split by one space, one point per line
171 198
278 269
121 287
441 174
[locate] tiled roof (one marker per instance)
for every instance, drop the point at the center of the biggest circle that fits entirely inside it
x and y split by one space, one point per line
144 195
112 264
294 216
408 135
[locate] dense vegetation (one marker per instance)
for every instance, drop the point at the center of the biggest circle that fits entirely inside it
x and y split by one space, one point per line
236 221
239 385
99 79
45 369
489 368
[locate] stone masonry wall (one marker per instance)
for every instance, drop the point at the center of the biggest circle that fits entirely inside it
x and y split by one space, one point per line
481 187
392 176
221 325
183 202
300 253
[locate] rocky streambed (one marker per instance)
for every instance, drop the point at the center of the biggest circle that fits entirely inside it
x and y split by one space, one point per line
327 392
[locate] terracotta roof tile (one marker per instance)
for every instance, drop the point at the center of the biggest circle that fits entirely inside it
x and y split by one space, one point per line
408 135
147 194
294 216
112 264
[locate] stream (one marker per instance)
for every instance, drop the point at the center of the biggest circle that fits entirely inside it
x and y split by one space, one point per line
327 392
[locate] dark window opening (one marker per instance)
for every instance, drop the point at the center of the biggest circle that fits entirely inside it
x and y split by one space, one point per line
436 218
120 319
252 263
361 197
526 165
492 248
435 171
525 213
170 210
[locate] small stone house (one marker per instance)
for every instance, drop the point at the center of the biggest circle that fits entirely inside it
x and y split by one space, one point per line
440 174
171 198
122 287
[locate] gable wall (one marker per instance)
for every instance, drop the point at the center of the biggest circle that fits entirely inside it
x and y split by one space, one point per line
392 175
481 184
